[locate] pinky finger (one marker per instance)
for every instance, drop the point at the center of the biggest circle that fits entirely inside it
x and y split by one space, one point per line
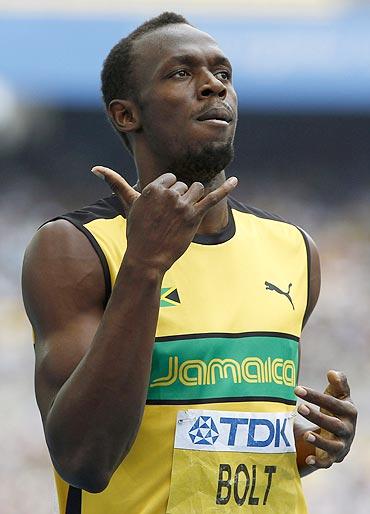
319 463
216 196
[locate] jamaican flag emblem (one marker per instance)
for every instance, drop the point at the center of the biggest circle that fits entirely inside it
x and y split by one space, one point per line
169 297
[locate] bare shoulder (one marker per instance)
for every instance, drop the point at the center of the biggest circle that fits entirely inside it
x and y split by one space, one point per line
60 262
314 275
55 239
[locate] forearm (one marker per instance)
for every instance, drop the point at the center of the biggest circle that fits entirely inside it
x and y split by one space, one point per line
97 412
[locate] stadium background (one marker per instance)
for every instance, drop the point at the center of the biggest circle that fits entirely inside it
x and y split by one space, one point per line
302 71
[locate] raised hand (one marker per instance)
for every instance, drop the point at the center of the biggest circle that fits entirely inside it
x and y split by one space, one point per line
163 219
336 420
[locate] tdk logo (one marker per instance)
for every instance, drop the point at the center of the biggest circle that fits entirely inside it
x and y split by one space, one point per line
254 432
204 431
274 432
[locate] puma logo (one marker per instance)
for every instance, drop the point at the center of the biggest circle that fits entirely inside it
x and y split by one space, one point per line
272 287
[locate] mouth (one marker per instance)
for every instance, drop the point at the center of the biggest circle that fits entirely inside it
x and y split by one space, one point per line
219 116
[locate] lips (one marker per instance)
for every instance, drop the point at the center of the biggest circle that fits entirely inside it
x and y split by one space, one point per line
216 113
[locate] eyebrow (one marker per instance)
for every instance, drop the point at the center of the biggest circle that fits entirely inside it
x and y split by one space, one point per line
191 60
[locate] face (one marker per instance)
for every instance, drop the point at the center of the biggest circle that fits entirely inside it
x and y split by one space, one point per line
188 106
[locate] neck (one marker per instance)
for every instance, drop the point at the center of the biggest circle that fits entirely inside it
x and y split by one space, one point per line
218 216
215 219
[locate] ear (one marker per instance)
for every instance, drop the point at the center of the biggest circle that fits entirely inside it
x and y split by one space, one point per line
124 115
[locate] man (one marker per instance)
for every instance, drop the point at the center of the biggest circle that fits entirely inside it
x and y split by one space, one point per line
167 317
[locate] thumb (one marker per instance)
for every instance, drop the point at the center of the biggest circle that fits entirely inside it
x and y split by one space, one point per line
338 385
118 184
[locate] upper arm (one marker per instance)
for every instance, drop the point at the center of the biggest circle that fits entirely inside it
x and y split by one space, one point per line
64 293
314 274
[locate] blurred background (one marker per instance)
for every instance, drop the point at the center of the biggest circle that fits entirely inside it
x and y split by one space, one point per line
302 72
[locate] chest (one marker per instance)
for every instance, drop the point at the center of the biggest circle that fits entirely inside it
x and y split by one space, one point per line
234 289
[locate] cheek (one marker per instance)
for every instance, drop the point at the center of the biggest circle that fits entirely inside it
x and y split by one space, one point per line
170 105
166 118
164 132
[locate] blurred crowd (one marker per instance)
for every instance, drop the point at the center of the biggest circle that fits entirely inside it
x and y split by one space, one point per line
302 151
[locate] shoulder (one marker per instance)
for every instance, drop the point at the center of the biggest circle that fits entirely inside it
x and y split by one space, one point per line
53 243
58 243
259 213
105 208
61 271
268 224
90 227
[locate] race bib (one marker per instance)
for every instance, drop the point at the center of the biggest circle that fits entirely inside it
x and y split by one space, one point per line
225 460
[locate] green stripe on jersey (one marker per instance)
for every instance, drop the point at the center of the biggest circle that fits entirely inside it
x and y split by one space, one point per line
223 367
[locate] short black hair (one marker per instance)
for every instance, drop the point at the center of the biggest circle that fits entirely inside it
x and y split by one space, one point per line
117 77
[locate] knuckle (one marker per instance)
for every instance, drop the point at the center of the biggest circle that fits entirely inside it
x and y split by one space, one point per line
341 446
352 410
189 217
147 190
180 205
171 195
212 199
114 186
342 431
325 462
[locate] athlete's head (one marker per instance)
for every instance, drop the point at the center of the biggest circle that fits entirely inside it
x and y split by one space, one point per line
167 89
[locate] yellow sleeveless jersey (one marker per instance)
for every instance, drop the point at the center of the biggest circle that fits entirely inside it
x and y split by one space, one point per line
217 430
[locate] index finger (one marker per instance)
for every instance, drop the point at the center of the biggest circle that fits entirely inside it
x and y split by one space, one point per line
216 196
338 407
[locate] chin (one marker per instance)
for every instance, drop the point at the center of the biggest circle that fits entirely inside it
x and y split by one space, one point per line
202 162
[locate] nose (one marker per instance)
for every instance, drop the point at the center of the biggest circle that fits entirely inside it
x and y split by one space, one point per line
211 86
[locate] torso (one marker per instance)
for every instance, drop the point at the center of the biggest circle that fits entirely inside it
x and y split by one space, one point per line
226 348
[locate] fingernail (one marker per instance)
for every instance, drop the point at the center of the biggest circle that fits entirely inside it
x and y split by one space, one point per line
233 181
97 173
303 409
300 391
310 460
310 438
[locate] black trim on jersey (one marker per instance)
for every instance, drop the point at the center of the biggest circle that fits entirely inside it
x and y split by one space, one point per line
74 501
221 237
306 313
106 208
99 251
308 252
225 335
229 231
238 206
235 399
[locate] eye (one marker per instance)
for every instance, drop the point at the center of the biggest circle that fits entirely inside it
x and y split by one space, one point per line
223 75
180 74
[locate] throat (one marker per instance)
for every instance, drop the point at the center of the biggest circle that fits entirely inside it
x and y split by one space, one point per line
215 220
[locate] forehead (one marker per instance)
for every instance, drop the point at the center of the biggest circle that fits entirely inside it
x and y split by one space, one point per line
156 48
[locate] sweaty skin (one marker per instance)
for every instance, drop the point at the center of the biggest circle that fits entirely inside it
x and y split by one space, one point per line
93 360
